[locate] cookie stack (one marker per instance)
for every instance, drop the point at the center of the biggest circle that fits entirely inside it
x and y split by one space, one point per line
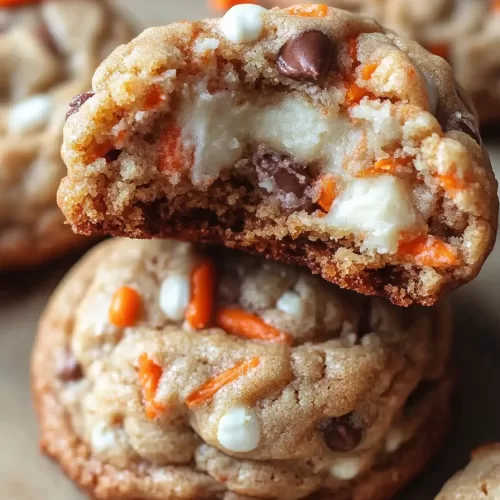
44 61
307 137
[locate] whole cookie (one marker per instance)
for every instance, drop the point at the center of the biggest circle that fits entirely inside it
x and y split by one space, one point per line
479 480
48 53
464 32
166 370
308 135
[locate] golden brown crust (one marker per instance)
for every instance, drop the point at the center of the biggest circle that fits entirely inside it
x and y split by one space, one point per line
102 480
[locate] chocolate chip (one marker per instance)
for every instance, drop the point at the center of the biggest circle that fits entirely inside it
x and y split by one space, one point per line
308 56
77 102
341 433
70 370
289 176
112 155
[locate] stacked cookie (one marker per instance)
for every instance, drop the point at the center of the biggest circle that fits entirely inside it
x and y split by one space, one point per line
305 136
44 61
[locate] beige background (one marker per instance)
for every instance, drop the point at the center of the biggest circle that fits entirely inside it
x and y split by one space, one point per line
25 475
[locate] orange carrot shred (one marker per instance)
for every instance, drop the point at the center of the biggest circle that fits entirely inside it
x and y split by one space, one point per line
308 10
149 378
355 94
125 307
368 70
328 193
243 324
200 308
451 182
171 154
440 49
213 385
224 5
429 251
154 97
386 166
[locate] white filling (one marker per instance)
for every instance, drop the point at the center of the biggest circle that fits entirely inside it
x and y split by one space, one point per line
30 114
291 303
218 127
380 208
243 23
239 430
175 292
347 468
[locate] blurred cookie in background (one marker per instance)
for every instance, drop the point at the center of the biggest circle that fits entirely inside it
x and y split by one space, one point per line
48 53
479 480
464 32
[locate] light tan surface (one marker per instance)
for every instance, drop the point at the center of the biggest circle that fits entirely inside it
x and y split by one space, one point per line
25 475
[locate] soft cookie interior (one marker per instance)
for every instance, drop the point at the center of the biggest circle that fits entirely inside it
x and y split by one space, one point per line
307 134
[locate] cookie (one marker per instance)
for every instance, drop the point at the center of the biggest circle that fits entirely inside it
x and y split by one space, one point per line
165 370
479 480
309 135
48 53
464 32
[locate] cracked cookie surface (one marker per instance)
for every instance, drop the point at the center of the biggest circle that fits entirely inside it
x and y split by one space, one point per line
287 386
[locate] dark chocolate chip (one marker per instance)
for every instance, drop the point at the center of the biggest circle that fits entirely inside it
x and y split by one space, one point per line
112 155
341 433
308 56
77 102
70 370
291 177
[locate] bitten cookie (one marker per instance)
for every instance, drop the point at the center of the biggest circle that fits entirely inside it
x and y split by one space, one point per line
48 53
479 480
308 135
464 32
165 370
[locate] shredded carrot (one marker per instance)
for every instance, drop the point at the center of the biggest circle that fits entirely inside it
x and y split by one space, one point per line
368 70
154 97
353 50
451 182
429 251
440 49
172 157
386 166
200 309
354 94
224 5
328 193
308 10
213 385
243 324
149 378
125 307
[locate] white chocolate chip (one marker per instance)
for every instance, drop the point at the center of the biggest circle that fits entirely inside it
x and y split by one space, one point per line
175 292
243 23
394 440
30 114
291 303
103 438
346 469
206 45
239 430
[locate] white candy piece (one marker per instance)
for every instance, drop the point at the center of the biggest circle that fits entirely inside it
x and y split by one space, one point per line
346 469
30 114
239 430
175 292
243 23
394 440
103 438
291 303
